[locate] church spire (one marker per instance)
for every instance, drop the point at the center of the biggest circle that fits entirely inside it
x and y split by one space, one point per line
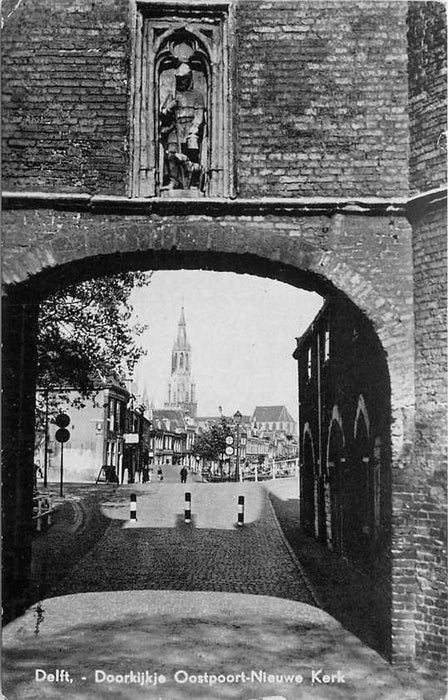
181 388
181 343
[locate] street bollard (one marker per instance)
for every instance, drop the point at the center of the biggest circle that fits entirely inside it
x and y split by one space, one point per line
240 511
187 507
133 506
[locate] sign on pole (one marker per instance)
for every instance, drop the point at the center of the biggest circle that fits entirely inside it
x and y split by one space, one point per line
62 435
62 420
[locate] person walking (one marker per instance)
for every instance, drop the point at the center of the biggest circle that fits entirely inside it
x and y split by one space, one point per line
183 475
160 474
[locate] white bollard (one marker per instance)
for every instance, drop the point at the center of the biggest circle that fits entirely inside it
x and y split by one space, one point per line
240 511
133 506
187 507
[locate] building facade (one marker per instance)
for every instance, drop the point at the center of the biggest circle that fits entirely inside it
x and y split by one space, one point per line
170 434
345 445
97 436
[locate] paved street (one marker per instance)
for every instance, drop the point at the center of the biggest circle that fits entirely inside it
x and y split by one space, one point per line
168 615
159 551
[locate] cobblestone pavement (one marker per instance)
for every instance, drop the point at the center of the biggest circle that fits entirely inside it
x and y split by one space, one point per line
200 636
160 551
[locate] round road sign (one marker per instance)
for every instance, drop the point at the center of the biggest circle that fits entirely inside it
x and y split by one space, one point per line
62 435
62 420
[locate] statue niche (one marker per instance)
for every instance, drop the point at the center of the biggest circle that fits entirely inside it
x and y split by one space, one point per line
182 134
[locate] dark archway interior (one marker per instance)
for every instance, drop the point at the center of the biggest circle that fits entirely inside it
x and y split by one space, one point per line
21 304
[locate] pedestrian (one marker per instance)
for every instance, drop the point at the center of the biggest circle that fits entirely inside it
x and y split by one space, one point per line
37 471
160 474
183 475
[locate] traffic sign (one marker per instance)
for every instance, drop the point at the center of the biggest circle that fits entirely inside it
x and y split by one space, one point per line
229 450
62 420
62 435
229 440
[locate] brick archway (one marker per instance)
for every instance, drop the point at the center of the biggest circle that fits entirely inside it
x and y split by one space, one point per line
324 252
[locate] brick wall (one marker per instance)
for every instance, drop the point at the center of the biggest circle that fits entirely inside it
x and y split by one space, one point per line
320 109
427 91
429 503
65 82
422 518
322 98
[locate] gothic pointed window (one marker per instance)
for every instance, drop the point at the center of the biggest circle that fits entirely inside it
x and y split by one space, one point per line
181 106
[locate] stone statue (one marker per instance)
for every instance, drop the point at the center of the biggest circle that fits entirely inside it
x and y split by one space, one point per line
181 128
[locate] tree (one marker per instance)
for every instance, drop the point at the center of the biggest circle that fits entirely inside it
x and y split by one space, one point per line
211 444
85 335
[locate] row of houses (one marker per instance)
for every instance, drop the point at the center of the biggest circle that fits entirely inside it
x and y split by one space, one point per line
115 437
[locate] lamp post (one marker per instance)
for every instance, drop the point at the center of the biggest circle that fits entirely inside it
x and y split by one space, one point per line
237 418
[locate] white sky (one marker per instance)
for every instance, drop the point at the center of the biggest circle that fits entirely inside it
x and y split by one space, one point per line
242 332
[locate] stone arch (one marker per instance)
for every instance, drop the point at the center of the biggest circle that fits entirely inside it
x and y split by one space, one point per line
361 412
87 245
308 510
90 245
361 487
334 480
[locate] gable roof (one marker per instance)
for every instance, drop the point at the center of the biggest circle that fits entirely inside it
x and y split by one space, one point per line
271 414
173 415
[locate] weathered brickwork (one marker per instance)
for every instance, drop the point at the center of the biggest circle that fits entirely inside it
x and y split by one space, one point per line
322 98
366 258
65 95
427 92
422 517
320 110
429 505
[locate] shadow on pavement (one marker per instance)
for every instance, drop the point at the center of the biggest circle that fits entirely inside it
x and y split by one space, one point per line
185 636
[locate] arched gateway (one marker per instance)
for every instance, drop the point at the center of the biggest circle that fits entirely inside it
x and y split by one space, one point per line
283 242
300 141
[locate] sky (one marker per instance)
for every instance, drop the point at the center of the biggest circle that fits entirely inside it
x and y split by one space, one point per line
241 329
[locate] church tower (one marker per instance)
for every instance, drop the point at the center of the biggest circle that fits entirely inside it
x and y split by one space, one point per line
181 389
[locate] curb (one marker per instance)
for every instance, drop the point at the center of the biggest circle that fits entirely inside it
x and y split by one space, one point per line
293 555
